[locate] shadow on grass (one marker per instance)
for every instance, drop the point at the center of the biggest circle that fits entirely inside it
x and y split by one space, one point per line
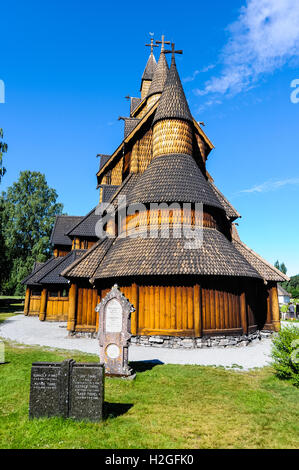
143 366
113 410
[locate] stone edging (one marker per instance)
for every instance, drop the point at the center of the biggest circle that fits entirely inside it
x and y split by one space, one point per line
177 342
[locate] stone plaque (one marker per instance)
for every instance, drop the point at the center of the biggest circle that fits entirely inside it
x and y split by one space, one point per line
113 316
47 396
114 332
67 389
87 392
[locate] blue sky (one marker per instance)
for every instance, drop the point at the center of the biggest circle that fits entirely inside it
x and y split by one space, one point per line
67 66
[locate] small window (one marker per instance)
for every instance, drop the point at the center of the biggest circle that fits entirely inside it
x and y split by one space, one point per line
53 293
36 292
64 293
108 177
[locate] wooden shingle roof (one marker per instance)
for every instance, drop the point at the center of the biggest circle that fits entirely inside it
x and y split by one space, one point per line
265 269
49 272
149 68
230 211
173 103
86 266
159 77
168 256
63 224
173 178
86 226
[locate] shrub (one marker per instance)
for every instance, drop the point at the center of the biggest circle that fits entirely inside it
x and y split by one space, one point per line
285 354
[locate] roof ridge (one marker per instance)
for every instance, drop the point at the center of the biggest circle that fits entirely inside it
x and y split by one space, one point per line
92 248
27 278
80 221
262 259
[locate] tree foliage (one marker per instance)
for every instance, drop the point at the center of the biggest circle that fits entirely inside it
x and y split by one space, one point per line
28 213
292 286
285 352
3 149
281 266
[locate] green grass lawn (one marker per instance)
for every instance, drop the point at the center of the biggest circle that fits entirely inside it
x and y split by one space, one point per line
166 406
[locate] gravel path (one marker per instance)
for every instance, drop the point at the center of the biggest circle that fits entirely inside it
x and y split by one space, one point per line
31 331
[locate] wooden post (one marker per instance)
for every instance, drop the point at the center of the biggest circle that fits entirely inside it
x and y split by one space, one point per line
43 305
71 321
197 311
275 308
134 301
243 313
27 301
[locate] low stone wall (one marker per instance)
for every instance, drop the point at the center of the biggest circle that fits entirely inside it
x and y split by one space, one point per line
183 342
176 342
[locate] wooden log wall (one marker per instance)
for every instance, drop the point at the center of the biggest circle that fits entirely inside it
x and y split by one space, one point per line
34 304
57 309
212 308
86 316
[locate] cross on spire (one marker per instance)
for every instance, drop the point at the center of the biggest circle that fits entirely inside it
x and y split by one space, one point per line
152 45
162 42
173 52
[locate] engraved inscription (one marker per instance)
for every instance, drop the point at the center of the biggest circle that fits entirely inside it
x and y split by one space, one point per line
113 316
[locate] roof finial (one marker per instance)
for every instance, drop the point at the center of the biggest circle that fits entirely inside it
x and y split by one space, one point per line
162 42
152 45
173 52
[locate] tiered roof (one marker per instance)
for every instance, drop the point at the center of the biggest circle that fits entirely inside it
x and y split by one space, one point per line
173 178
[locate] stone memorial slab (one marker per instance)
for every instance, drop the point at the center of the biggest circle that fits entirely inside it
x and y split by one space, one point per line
114 332
87 392
67 389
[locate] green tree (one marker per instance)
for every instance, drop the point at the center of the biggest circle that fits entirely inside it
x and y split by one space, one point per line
281 266
3 149
292 286
29 210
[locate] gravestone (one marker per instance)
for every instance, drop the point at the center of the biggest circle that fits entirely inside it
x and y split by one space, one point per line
114 332
86 392
67 389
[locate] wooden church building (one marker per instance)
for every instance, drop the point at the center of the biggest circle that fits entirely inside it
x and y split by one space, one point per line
221 287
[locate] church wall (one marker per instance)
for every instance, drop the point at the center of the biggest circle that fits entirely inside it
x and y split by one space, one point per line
210 307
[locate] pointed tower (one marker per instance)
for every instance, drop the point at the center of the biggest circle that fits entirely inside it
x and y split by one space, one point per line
149 70
172 124
159 77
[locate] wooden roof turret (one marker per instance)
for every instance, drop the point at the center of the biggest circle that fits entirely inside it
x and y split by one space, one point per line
148 71
159 79
173 103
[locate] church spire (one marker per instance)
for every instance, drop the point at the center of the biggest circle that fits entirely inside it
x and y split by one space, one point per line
149 70
172 124
173 103
159 77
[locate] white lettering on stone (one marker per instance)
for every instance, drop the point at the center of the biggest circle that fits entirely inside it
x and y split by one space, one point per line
113 316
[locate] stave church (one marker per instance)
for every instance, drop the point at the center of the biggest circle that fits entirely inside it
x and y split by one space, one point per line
221 288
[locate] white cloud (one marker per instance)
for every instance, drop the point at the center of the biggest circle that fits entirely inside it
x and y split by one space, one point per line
192 77
271 186
264 38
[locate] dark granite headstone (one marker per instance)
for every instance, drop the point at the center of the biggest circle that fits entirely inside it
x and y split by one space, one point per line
67 389
87 392
114 332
